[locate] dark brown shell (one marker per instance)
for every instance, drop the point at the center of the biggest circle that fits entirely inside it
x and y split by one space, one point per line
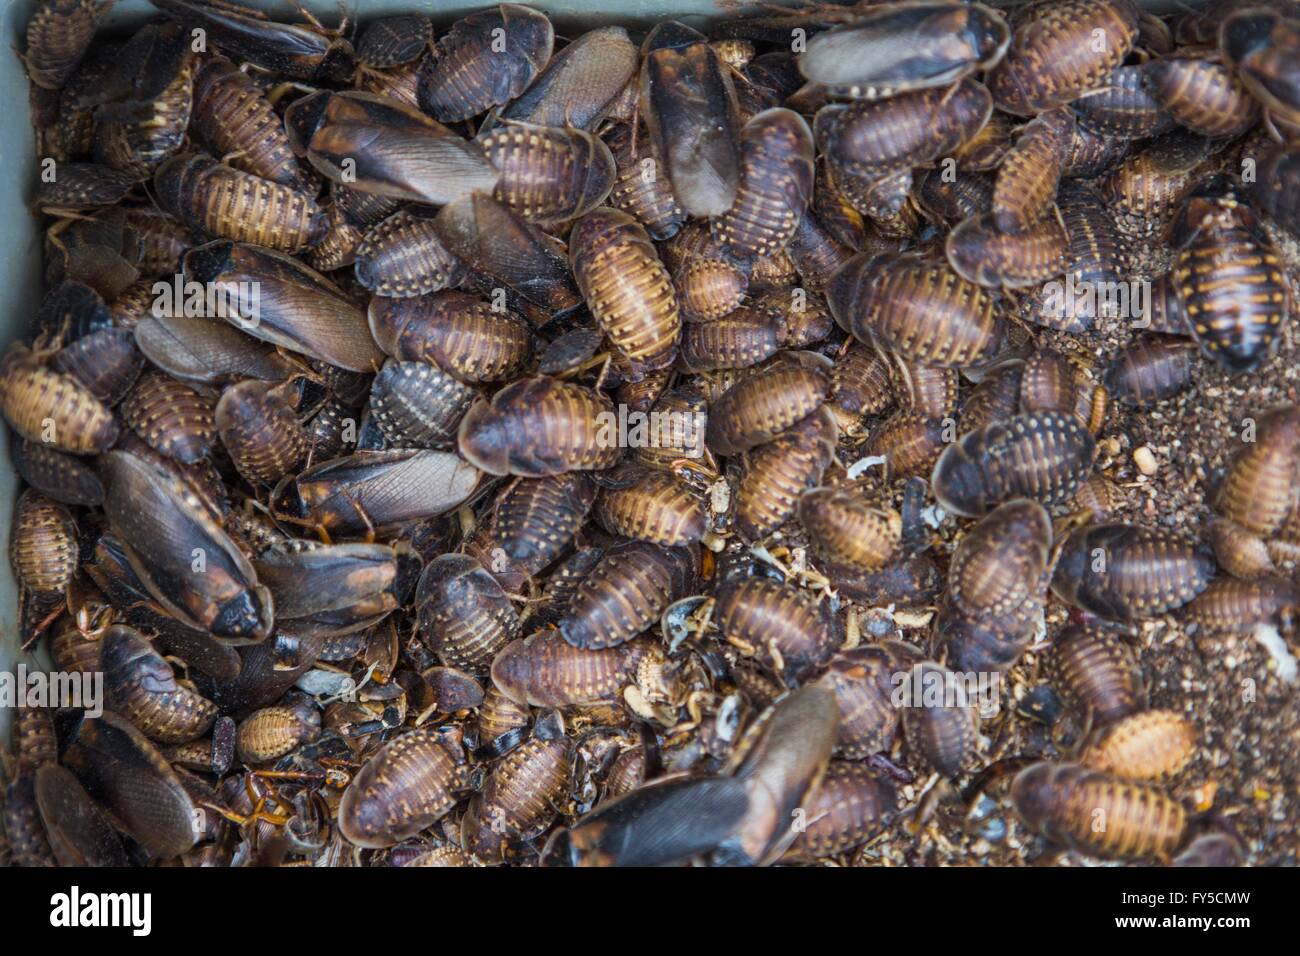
1042 456
625 593
1129 572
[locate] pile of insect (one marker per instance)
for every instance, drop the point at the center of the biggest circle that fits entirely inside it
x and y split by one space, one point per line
805 436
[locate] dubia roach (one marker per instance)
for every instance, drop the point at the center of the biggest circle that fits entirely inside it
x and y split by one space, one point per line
627 289
1096 813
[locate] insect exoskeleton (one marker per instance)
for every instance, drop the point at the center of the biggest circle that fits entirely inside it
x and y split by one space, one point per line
540 426
1043 456
1130 572
627 289
1098 814
1150 745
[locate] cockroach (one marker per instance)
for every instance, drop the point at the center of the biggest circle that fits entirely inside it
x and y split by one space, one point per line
294 307
1129 572
1259 486
545 670
271 732
260 432
1061 50
24 829
57 475
171 417
500 722
78 830
134 784
582 82
626 592
911 129
237 122
774 475
803 317
781 761
417 405
638 188
339 247
940 717
1000 570
379 145
776 182
1152 371
788 631
82 186
627 289
536 518
894 49
740 339
1277 179
816 252
43 554
1125 106
910 442
922 310
394 40
1041 456
979 253
549 175
1261 45
1096 672
168 523
136 134
163 240
58 35
464 614
853 804
862 681
1028 178
1229 605
370 491
308 53
106 361
661 823
848 529
860 383
1150 745
411 782
1229 281
538 427
142 686
1049 382
52 408
1201 94
505 252
520 796
759 408
1095 813
1147 187
955 198
485 60
689 106
227 203
881 197
996 398
455 331
654 506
